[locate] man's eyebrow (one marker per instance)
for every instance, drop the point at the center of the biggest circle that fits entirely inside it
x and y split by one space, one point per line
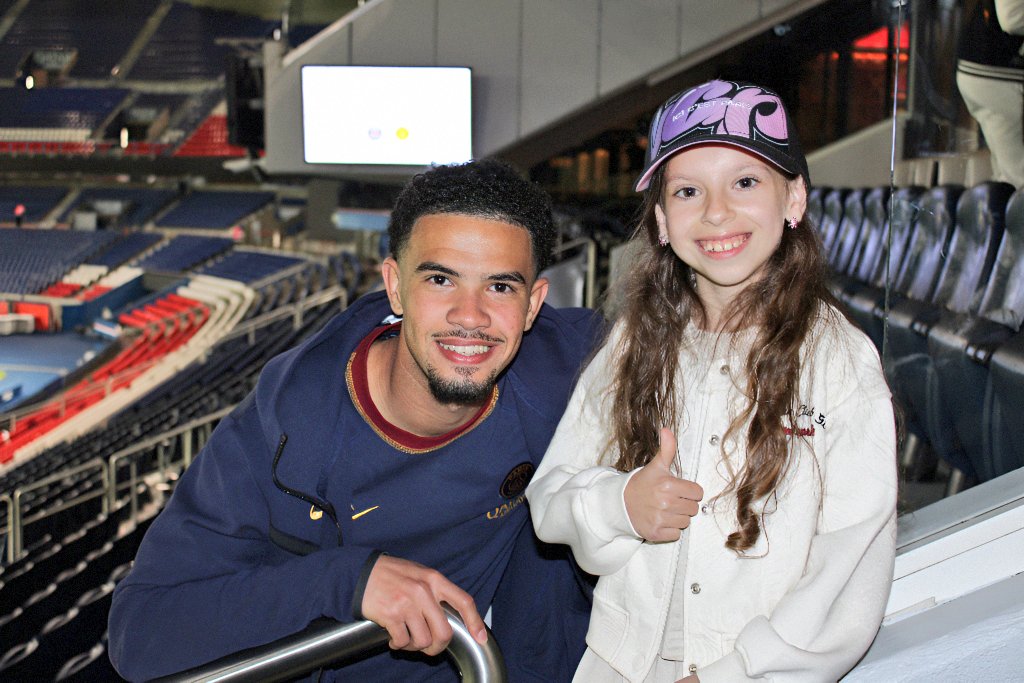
514 276
431 267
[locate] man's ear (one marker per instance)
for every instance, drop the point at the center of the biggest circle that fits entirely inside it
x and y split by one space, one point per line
537 294
389 270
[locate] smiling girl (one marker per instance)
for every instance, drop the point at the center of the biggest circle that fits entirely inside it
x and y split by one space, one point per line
726 465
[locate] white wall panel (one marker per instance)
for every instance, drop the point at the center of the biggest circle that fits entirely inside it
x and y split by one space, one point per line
560 48
485 36
704 22
399 33
636 37
336 50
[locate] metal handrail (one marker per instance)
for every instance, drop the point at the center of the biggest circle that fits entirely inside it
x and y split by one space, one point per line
326 641
295 311
9 551
15 524
155 441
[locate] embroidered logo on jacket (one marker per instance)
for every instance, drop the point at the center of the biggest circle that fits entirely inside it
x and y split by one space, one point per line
516 480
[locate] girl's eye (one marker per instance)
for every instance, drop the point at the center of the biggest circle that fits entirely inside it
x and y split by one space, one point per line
686 192
747 182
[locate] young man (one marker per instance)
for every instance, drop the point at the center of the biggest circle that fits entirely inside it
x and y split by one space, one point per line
378 469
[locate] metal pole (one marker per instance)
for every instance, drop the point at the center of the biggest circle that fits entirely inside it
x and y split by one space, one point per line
326 641
10 527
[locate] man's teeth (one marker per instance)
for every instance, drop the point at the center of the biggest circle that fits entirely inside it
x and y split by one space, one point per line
723 245
466 350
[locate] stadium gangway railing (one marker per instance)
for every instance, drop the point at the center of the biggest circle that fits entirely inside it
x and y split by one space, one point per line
326 641
294 311
16 525
191 437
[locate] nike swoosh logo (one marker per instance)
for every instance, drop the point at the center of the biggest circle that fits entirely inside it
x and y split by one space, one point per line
367 510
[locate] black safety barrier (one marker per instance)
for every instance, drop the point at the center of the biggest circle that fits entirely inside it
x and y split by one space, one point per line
326 641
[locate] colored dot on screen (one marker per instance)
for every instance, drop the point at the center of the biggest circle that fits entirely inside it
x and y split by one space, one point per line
402 133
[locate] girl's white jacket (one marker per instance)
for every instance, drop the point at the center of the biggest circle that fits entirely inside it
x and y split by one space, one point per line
806 601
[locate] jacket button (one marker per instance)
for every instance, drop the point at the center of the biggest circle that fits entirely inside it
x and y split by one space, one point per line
692 669
695 588
713 440
724 369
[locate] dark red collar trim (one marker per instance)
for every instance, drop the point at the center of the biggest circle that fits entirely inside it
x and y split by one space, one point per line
359 387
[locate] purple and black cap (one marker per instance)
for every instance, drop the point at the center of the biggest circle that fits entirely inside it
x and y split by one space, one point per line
723 112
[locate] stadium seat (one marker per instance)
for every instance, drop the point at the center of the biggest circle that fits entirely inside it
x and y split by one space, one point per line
963 271
831 217
848 233
962 347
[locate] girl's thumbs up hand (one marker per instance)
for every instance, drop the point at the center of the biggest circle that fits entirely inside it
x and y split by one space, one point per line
659 503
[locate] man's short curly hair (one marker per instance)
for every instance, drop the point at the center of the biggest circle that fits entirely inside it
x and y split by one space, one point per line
486 188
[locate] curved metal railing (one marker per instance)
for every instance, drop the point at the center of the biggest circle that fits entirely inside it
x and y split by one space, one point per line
326 641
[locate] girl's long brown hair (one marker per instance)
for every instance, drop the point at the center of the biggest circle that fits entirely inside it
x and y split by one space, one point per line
659 302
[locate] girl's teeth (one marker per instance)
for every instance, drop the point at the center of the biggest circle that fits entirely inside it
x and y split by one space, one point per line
722 245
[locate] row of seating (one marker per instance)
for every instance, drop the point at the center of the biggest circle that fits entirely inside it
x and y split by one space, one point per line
35 202
184 252
31 260
46 24
214 209
125 248
135 205
131 207
185 45
53 632
49 107
250 266
932 275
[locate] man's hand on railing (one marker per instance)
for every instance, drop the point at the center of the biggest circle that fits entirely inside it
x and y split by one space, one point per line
405 598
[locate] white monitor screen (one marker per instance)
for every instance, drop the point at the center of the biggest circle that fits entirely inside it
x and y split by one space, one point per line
396 115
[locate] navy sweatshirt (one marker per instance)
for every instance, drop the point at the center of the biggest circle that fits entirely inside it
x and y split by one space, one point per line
235 562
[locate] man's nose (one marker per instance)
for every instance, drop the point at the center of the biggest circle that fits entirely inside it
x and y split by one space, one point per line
469 311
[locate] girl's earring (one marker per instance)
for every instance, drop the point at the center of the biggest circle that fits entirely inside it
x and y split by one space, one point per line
662 241
791 223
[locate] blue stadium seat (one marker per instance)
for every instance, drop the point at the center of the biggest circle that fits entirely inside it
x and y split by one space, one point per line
126 248
139 204
962 347
185 252
211 209
73 24
31 260
83 109
184 47
963 271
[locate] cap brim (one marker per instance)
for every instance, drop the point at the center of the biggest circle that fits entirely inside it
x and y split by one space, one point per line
645 179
